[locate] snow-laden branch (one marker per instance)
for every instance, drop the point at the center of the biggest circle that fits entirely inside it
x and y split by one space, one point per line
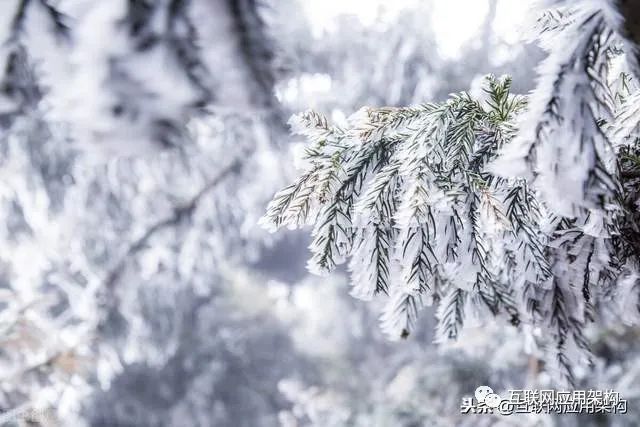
408 196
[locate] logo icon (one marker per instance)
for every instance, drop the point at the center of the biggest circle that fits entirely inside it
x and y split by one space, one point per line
484 394
492 400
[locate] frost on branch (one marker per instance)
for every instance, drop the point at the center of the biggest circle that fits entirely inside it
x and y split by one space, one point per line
404 195
561 144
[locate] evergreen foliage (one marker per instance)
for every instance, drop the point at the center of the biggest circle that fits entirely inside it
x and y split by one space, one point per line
500 205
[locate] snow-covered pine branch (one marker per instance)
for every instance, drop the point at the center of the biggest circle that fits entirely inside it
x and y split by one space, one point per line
562 147
404 194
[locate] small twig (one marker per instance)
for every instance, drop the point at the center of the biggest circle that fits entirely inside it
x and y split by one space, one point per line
533 369
178 214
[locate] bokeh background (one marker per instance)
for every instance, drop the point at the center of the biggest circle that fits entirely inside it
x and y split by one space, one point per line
140 291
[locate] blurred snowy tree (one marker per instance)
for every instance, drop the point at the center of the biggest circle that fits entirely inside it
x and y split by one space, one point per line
84 237
211 53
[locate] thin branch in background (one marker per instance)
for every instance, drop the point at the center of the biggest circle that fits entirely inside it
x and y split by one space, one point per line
178 215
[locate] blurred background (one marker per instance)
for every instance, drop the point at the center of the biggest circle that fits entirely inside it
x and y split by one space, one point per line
138 289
